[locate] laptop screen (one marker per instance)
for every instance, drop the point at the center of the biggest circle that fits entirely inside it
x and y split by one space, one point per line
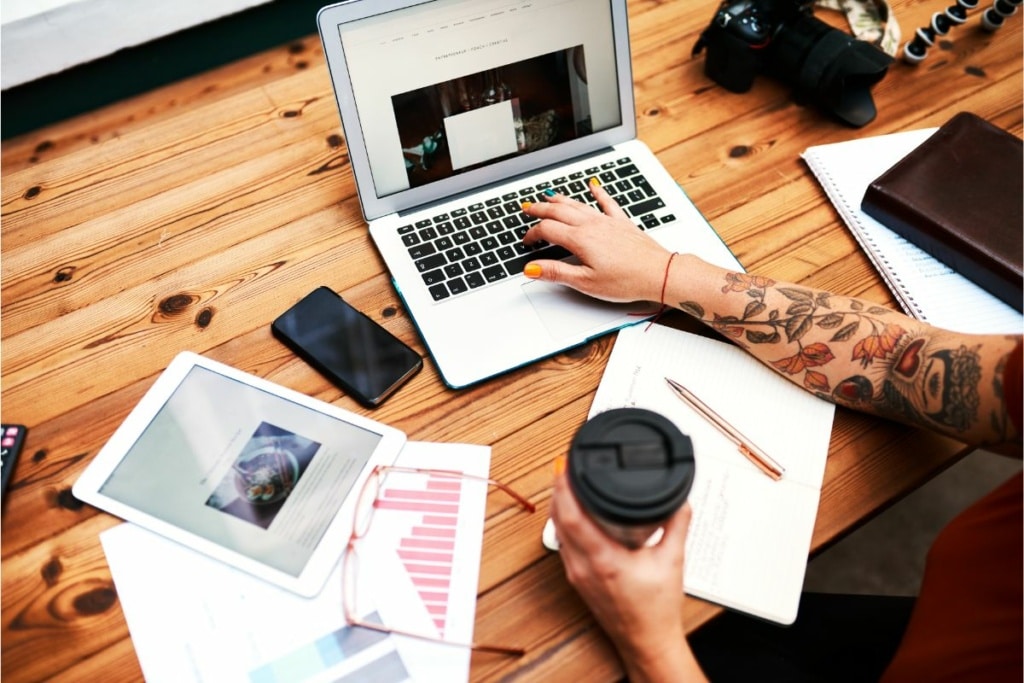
447 88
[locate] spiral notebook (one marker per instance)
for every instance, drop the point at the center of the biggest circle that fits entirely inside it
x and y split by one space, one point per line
957 195
925 287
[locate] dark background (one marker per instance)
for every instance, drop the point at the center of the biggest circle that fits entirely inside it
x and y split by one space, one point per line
138 69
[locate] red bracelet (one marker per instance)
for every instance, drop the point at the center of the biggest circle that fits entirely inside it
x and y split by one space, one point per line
664 286
664 282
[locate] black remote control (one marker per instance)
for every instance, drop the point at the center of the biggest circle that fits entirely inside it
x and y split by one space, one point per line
12 438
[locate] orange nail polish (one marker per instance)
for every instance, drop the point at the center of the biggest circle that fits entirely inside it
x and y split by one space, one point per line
527 205
559 465
532 270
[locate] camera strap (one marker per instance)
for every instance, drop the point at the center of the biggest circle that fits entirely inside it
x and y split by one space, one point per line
870 20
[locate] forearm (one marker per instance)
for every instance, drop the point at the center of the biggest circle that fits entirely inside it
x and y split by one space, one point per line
853 352
675 665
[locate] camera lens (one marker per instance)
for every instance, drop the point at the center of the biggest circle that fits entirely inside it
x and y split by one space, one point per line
832 68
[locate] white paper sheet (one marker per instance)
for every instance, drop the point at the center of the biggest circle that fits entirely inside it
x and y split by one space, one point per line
193 618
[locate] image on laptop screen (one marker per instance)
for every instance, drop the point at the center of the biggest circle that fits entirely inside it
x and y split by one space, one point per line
451 86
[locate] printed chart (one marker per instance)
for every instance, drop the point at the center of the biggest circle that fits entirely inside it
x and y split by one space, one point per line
421 558
427 549
379 661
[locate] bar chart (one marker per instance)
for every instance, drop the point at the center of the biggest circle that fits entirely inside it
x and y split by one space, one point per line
421 567
357 655
427 548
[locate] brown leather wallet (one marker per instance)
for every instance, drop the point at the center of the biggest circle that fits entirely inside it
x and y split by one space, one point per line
959 196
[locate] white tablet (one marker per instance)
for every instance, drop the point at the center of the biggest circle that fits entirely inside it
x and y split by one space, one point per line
256 475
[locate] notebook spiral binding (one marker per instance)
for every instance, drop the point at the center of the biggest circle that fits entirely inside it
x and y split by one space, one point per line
867 245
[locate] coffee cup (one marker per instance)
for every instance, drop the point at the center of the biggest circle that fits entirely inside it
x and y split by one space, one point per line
630 469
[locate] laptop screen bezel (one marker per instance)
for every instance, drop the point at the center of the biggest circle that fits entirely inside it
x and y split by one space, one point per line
329 21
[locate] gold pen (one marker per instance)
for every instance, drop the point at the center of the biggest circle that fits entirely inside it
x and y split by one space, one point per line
745 445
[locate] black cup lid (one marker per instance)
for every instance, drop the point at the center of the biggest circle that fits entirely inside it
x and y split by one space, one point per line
631 466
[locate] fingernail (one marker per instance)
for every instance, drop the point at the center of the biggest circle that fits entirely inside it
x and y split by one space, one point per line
595 182
559 465
527 205
532 270
549 192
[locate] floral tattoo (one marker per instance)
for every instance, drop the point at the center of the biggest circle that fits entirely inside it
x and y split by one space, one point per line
902 375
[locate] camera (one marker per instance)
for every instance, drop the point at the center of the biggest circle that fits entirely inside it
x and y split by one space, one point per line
783 39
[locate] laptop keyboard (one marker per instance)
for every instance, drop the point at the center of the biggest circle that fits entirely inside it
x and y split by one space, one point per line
473 246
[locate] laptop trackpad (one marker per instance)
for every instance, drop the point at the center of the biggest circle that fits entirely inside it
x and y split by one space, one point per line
567 314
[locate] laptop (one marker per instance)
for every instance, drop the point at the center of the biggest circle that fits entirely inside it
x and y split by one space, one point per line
457 111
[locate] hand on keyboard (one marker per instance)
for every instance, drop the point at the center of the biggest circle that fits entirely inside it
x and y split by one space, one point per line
480 244
599 238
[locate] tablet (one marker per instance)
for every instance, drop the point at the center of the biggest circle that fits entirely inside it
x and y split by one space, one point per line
251 473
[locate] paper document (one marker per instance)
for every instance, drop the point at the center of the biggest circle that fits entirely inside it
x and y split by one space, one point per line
750 535
193 618
925 287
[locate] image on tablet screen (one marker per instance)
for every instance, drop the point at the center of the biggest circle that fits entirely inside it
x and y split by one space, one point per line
263 475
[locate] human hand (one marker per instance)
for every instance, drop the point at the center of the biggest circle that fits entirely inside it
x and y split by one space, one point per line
635 595
618 261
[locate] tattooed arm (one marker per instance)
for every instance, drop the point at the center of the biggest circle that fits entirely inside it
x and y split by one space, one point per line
849 351
856 353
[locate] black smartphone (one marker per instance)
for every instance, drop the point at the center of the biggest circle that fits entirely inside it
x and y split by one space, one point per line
346 346
12 439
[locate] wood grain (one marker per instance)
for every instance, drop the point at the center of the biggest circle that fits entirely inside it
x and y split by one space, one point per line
190 216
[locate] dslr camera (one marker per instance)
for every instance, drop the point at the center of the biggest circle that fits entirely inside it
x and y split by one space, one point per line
783 39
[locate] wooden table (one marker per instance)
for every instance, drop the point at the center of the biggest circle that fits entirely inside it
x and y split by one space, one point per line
189 217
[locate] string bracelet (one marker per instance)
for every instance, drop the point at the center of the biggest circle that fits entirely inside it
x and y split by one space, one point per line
664 280
664 286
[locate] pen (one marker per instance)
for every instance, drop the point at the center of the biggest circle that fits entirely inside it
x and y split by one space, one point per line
745 445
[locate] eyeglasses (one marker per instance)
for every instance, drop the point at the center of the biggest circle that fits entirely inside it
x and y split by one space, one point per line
366 504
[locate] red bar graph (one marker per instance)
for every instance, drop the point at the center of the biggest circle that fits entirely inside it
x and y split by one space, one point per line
427 550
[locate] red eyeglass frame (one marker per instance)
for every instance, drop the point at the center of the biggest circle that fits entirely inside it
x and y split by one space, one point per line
360 531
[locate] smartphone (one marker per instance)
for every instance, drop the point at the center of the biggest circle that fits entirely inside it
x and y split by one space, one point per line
12 439
347 347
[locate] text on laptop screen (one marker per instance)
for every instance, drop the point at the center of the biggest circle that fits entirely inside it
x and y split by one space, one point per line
450 86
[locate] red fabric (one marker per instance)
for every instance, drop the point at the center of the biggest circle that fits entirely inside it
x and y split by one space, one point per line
968 622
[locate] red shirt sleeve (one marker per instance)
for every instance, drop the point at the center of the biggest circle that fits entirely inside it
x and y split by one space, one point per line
968 622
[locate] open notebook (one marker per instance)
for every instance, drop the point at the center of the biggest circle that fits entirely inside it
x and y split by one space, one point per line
925 287
750 535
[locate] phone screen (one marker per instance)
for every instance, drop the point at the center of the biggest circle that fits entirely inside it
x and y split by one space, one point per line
346 346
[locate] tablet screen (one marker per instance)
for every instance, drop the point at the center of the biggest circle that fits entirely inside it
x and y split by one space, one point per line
245 468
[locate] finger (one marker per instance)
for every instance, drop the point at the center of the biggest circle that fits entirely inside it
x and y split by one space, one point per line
560 208
566 513
574 527
550 270
554 231
604 200
564 510
587 209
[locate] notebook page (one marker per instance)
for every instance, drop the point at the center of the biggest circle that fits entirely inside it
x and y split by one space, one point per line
925 287
750 535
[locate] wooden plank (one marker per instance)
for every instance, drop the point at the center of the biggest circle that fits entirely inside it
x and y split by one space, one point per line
189 217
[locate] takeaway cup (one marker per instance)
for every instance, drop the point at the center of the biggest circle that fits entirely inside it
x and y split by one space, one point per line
630 469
